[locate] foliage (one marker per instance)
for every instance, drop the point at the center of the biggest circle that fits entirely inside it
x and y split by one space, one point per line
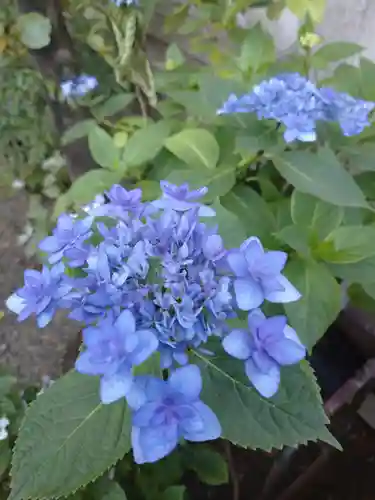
143 124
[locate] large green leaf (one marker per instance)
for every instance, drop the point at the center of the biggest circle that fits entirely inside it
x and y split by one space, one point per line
230 227
209 465
103 149
105 489
254 213
314 214
320 303
257 49
320 175
113 105
197 147
332 52
85 188
145 144
360 272
219 181
293 416
314 8
35 30
67 439
349 244
77 131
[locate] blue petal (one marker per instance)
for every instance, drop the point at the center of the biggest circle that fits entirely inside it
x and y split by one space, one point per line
209 429
266 383
114 387
15 303
45 317
288 294
238 264
286 351
238 344
147 344
272 263
152 444
87 364
186 380
143 416
145 388
125 322
249 294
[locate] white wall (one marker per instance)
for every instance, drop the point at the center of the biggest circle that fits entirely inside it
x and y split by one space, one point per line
345 20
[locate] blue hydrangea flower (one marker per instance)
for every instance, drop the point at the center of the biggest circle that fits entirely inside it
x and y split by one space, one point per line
149 278
78 86
42 294
167 411
180 199
112 349
68 240
269 344
350 113
258 276
298 104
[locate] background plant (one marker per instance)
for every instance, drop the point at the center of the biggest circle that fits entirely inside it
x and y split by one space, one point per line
314 201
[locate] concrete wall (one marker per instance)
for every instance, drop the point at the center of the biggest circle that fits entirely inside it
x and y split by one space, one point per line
345 20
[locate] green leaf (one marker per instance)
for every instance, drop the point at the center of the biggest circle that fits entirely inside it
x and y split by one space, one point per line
219 181
332 52
293 416
197 147
320 175
253 212
297 237
103 149
106 489
257 49
85 188
315 215
361 158
360 272
113 105
77 131
209 465
145 144
85 438
7 382
320 303
174 493
349 244
315 8
35 30
174 57
150 190
230 227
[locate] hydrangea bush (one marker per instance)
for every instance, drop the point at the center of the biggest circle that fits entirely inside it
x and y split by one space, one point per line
217 238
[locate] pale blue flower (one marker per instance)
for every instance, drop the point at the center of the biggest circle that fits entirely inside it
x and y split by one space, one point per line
258 276
41 295
167 411
68 240
112 349
78 86
269 344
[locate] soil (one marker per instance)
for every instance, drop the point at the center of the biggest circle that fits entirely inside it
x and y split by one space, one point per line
27 351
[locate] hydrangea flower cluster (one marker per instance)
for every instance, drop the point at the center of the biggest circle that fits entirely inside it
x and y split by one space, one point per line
78 86
152 282
298 104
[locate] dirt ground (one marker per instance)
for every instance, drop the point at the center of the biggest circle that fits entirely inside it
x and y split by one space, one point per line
28 351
